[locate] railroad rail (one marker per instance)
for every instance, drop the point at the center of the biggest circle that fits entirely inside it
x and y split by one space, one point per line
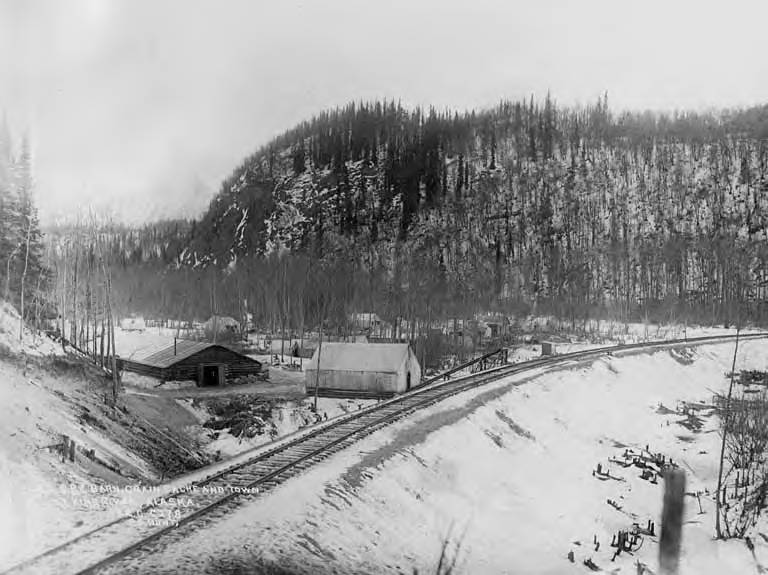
119 546
495 358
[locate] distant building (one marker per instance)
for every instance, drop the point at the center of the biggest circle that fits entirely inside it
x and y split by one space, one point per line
460 332
222 324
206 363
364 320
370 323
547 348
363 370
494 326
133 324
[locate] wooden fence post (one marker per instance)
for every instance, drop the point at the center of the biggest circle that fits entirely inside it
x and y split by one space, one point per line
64 447
671 521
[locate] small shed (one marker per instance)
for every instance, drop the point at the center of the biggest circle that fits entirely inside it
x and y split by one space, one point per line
495 326
547 348
206 363
133 324
362 370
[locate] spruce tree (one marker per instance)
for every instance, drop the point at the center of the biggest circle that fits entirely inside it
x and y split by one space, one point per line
30 236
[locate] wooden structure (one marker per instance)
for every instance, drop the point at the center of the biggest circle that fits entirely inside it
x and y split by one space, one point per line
547 348
362 370
222 324
370 324
206 363
133 324
498 358
494 326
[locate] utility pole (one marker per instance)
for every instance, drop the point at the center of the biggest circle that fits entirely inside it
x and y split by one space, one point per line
321 309
317 373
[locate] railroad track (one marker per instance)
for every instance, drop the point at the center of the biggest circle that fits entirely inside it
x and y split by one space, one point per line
119 546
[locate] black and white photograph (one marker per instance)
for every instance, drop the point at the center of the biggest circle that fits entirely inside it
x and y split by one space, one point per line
351 287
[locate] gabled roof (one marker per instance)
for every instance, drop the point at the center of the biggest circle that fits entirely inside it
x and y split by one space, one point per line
170 355
378 357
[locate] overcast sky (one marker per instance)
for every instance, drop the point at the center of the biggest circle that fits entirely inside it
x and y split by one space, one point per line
144 106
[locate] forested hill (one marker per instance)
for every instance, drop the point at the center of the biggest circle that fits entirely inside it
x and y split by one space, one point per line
526 202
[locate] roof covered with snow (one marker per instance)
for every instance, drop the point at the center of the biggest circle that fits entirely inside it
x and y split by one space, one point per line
221 321
172 354
377 357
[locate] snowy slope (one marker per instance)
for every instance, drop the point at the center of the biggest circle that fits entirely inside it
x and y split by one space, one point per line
30 343
508 471
44 500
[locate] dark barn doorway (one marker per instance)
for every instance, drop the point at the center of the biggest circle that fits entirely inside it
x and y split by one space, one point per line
211 375
408 382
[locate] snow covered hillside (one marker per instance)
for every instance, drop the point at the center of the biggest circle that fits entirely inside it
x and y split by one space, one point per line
507 472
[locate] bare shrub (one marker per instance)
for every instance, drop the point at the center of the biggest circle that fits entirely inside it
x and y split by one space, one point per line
742 495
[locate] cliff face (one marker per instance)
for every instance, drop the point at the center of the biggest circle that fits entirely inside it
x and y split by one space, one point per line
526 199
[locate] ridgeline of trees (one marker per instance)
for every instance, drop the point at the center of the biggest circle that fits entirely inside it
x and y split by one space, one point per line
426 214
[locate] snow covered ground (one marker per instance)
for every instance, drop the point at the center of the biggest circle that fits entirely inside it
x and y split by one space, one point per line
505 470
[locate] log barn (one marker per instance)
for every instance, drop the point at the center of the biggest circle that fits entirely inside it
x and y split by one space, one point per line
206 363
362 370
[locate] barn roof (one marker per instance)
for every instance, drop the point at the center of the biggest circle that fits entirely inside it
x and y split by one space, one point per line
379 357
170 355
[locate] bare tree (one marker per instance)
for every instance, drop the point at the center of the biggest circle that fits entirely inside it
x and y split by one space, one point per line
8 271
23 279
727 407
